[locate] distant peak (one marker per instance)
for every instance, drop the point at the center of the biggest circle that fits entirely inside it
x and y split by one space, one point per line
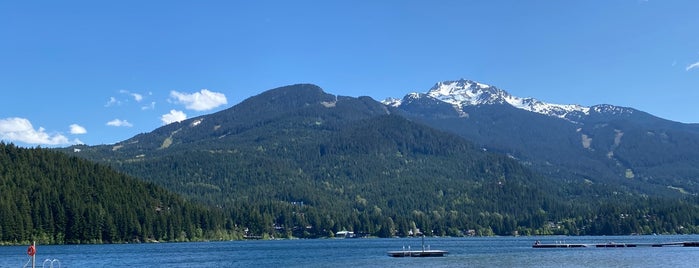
466 92
393 102
463 92
462 83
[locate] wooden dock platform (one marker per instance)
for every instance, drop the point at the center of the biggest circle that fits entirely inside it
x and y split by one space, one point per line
418 253
559 245
616 245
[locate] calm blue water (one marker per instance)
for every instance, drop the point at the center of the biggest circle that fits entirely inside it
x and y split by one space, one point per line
463 252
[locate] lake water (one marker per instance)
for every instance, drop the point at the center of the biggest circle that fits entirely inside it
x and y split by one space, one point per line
463 252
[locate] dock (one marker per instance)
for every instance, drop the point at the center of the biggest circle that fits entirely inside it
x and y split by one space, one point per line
418 253
617 245
559 245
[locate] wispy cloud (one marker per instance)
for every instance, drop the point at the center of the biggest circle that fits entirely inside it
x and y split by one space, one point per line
20 129
150 106
77 129
693 65
114 101
199 101
111 102
137 97
173 116
119 123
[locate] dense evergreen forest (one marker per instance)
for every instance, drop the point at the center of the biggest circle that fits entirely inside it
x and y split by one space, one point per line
52 198
385 177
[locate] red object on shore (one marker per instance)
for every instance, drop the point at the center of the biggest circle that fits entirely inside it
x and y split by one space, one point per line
31 250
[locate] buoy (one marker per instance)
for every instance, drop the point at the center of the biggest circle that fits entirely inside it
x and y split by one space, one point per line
31 250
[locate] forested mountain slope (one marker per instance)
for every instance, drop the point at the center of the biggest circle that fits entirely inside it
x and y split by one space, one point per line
296 161
628 149
52 198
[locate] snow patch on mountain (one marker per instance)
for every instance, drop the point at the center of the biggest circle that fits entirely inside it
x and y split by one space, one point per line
393 102
197 122
611 109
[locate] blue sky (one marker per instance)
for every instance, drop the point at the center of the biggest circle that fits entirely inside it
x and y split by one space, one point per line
99 72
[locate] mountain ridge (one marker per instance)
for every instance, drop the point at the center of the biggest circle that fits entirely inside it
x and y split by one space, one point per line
350 159
464 92
357 164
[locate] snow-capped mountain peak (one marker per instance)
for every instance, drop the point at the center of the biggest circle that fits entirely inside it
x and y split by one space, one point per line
466 92
392 102
463 93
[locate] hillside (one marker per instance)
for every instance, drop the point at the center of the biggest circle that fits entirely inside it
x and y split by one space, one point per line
296 161
51 198
630 150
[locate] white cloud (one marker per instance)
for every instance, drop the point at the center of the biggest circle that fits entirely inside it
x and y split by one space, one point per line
77 129
693 65
112 101
119 123
173 116
20 129
200 101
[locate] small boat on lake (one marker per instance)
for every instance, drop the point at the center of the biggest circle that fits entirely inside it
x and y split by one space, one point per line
345 234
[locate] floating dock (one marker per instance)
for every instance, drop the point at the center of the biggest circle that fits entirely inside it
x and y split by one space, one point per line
617 245
536 245
418 253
